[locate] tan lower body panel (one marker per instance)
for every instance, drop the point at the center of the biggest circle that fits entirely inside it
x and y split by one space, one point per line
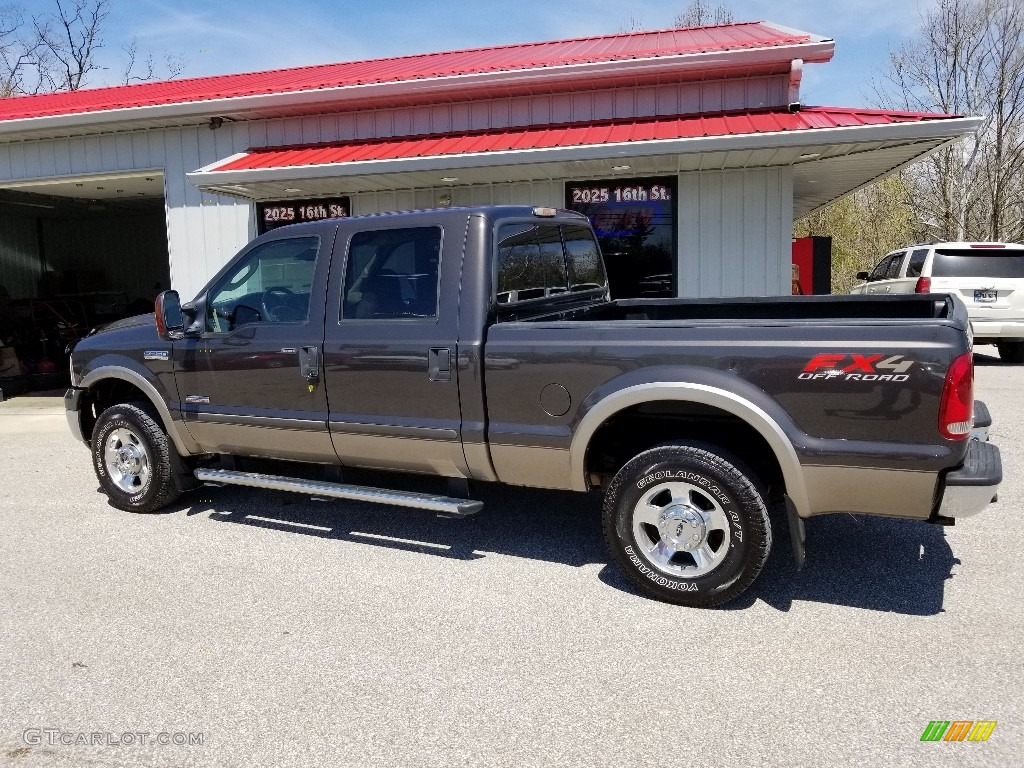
268 442
534 467
403 454
888 492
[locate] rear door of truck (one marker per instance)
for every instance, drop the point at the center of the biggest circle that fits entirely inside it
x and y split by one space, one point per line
391 343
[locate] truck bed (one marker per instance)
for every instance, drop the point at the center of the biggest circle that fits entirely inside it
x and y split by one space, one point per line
791 309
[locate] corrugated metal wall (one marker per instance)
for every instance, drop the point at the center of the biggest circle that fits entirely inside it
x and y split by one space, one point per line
735 231
205 230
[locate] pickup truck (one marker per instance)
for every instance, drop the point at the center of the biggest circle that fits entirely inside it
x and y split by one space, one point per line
481 345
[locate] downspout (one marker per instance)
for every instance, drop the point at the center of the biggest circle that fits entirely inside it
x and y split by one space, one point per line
796 73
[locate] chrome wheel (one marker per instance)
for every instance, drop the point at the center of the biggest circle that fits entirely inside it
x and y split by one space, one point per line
681 529
127 460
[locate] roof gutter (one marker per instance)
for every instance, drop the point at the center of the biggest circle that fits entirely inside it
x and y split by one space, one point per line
948 128
701 64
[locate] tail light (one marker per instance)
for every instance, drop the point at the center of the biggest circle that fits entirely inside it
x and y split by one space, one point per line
924 285
956 410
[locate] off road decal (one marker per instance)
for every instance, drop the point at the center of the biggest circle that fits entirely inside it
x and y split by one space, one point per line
856 367
680 586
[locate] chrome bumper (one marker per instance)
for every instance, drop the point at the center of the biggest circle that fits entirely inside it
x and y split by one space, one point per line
973 486
72 410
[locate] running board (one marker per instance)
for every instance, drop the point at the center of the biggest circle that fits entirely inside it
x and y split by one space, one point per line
443 505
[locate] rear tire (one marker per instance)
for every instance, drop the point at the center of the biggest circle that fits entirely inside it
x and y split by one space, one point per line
132 458
1011 351
687 525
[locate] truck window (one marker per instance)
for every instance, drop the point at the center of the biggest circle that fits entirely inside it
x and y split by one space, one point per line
392 273
586 269
272 284
531 264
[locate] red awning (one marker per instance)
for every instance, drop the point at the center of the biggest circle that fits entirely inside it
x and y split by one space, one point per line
567 135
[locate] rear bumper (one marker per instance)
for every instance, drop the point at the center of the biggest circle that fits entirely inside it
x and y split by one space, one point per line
991 330
73 412
973 486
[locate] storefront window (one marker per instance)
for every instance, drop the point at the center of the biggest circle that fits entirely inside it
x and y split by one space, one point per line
635 222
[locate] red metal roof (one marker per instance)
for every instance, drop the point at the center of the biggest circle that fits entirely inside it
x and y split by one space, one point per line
568 135
507 58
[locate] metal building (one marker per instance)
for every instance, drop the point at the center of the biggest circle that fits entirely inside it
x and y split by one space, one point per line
690 149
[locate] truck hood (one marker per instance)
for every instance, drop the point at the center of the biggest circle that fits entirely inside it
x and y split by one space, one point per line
128 322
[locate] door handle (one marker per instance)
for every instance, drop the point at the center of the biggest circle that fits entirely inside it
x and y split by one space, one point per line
439 363
309 365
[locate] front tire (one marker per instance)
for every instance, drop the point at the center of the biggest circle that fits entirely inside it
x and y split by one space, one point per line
1011 351
687 525
132 458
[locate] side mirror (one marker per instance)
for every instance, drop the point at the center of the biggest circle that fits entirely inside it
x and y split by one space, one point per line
170 323
862 275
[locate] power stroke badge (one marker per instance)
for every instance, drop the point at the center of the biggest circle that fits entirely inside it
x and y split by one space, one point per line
855 367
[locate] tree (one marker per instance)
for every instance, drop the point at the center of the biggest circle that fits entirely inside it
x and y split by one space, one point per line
864 227
20 53
701 14
70 40
59 50
967 58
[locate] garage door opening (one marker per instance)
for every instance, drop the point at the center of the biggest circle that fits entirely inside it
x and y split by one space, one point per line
74 254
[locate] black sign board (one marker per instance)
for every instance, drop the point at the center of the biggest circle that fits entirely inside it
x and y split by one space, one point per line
635 223
273 215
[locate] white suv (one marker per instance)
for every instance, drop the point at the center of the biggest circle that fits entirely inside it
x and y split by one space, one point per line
989 277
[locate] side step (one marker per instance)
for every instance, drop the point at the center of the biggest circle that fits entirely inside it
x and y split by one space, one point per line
443 505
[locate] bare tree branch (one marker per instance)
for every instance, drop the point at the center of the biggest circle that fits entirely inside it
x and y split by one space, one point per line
701 14
967 58
72 38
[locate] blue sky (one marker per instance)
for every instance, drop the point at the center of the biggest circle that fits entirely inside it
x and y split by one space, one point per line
222 36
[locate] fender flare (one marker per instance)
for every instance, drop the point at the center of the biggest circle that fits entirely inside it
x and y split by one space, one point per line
683 392
152 394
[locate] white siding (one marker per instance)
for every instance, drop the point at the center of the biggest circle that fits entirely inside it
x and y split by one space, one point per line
204 230
734 232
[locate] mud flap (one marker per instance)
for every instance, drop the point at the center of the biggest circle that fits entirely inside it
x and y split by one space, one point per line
797 534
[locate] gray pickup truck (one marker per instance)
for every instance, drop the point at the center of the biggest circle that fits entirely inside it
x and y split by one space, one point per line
481 345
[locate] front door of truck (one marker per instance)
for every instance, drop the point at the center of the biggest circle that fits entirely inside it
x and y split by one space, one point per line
390 353
252 383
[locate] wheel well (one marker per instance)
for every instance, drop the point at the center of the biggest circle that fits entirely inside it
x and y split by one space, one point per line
643 426
105 393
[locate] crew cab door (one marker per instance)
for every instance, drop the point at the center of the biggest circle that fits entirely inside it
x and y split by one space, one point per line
252 384
391 347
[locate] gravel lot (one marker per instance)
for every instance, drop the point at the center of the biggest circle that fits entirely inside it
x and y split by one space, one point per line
290 632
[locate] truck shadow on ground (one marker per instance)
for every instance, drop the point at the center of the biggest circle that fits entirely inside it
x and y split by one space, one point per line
878 564
990 359
863 562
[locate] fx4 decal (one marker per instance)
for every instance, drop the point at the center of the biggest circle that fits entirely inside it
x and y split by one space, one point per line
854 367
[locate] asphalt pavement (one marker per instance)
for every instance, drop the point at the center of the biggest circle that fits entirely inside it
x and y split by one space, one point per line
250 628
